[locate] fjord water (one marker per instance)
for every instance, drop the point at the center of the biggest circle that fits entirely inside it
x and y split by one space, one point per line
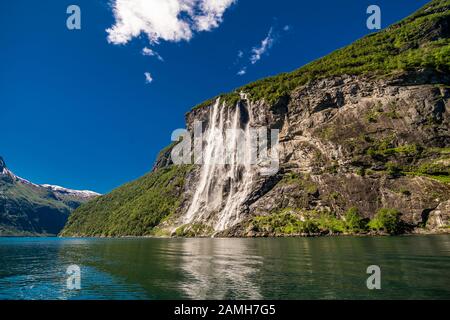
412 267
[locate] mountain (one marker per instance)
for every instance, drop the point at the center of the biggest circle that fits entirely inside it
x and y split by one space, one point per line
364 147
27 208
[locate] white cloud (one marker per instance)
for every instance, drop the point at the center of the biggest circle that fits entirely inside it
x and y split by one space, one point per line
240 54
168 20
152 53
287 28
148 77
211 13
266 44
242 72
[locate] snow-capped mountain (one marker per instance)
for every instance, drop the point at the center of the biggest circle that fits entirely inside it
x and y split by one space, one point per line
71 192
27 208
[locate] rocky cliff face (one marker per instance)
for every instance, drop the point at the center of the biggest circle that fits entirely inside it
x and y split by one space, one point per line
27 208
350 142
364 146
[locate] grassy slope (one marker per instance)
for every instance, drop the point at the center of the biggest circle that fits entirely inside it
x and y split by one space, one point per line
133 209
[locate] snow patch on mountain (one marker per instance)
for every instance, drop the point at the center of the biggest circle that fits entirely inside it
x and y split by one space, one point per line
56 189
78 193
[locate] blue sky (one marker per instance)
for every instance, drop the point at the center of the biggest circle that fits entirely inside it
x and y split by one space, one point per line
76 109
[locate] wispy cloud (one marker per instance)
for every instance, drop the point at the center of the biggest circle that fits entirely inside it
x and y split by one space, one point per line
148 77
168 20
257 52
151 53
266 44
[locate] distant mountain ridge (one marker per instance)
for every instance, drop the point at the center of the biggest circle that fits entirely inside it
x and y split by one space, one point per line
27 208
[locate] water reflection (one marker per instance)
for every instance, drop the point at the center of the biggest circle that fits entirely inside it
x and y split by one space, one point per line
319 268
220 269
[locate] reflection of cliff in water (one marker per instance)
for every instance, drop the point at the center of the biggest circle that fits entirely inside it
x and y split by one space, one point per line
220 269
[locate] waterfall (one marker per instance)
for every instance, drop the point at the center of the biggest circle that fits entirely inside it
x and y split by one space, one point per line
226 173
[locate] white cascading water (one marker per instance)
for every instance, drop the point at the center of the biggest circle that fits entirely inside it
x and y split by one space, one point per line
226 174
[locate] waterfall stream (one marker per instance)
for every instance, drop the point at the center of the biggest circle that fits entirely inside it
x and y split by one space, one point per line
226 173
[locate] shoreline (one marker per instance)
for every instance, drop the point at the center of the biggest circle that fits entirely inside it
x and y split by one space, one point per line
260 236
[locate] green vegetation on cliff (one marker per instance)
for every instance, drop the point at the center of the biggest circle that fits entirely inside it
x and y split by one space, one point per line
413 43
194 230
387 220
133 209
290 222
